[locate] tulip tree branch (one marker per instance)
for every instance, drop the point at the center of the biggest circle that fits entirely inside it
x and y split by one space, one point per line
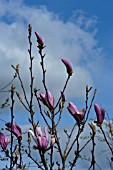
21 83
69 138
100 126
52 113
61 106
31 69
29 153
43 71
35 92
87 93
53 133
43 159
78 134
20 99
59 149
93 162
35 161
1 90
5 104
84 145
82 126
44 75
20 153
90 105
12 117
63 90
77 150
31 76
58 119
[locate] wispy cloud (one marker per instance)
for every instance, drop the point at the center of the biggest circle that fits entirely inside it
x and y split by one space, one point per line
75 41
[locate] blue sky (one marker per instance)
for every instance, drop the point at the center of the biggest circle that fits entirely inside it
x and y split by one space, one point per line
79 30
102 9
82 31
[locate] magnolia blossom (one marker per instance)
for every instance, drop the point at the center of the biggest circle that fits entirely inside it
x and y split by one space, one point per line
79 116
47 99
16 130
4 140
68 66
41 139
100 112
39 39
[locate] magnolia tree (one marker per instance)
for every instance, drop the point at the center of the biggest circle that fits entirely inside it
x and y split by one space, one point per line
49 150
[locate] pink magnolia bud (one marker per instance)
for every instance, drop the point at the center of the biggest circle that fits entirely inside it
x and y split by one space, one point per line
79 116
16 130
39 39
43 98
4 141
47 100
72 108
100 113
68 66
51 99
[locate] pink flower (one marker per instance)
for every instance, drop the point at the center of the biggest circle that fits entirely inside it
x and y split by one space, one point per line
4 141
40 138
39 39
16 130
68 66
100 112
47 100
79 116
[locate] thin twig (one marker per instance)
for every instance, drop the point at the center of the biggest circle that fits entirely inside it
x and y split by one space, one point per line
12 117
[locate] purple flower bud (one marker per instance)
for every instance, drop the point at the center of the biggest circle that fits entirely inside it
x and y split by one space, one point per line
16 130
100 113
51 99
79 116
68 66
43 98
39 39
72 108
4 140
47 100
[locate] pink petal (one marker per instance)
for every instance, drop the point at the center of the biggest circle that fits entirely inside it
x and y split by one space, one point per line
68 66
39 39
72 108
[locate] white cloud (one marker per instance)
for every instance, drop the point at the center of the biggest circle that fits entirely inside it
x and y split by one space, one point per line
64 40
